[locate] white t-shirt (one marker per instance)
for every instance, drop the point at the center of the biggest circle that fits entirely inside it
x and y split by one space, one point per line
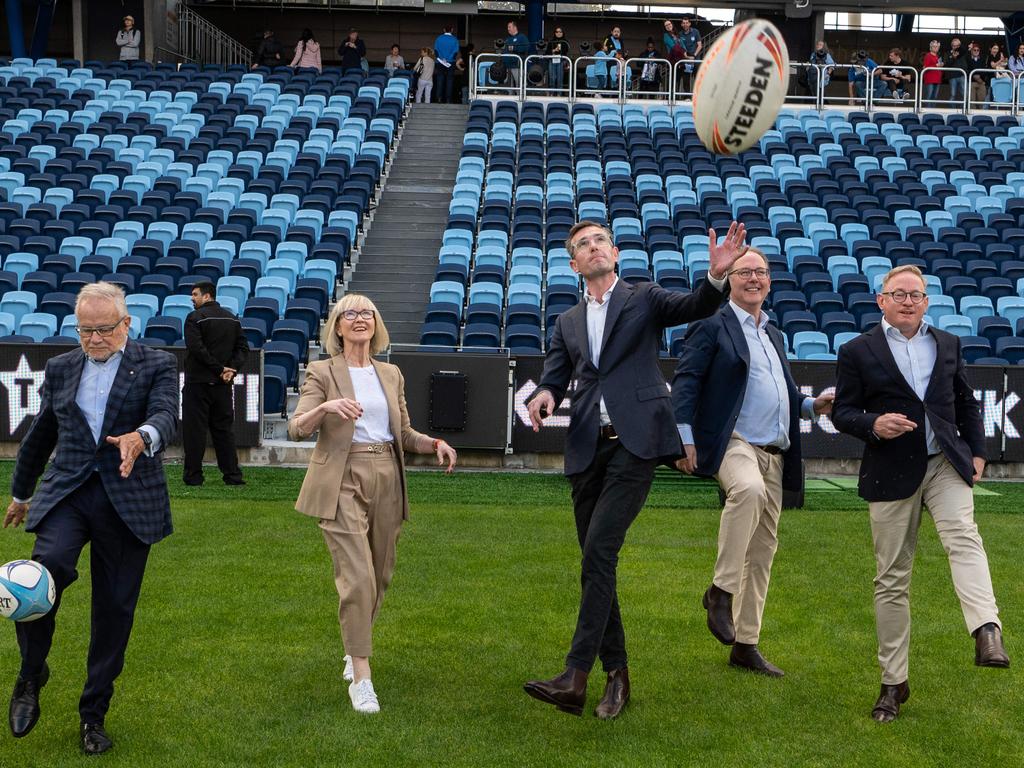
375 424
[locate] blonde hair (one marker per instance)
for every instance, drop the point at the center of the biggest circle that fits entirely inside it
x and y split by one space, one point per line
106 292
427 52
911 268
331 339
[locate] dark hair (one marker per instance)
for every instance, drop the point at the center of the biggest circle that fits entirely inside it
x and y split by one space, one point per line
307 35
206 288
449 27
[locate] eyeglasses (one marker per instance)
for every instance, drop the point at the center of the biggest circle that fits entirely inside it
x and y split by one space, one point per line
585 242
745 274
916 297
103 330
362 314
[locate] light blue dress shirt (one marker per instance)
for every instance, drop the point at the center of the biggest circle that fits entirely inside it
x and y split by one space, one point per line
94 390
764 414
915 357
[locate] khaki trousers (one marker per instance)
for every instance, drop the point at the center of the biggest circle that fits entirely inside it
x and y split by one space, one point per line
748 532
894 526
362 540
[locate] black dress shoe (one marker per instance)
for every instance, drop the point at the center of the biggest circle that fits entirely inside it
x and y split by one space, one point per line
889 700
718 603
234 481
748 657
616 695
568 691
988 647
24 710
192 482
94 739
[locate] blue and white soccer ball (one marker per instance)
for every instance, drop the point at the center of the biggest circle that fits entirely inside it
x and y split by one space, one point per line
26 590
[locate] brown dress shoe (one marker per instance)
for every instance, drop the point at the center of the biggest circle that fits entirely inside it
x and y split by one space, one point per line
889 700
988 647
568 691
748 657
616 694
718 603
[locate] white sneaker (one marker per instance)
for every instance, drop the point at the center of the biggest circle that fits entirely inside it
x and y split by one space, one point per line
348 675
364 699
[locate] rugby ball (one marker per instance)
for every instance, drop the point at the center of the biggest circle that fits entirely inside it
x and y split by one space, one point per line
27 590
740 87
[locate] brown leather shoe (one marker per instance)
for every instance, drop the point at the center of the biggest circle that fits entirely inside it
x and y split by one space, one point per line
748 657
718 603
889 699
568 691
988 647
616 695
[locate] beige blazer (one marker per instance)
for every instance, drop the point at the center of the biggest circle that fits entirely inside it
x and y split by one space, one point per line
329 380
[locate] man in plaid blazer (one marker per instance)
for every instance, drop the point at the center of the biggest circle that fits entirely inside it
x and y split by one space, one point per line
106 412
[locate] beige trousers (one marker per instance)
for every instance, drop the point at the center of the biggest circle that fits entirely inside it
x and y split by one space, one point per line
894 526
748 532
362 541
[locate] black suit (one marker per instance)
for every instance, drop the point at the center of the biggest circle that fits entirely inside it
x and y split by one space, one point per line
870 384
610 477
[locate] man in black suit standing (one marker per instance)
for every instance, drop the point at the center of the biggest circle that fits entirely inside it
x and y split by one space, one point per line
620 426
738 412
902 390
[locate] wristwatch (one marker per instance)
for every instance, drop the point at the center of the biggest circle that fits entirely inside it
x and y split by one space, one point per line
146 439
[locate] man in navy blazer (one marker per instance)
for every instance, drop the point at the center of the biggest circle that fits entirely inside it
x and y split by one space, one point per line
738 413
105 414
902 390
620 427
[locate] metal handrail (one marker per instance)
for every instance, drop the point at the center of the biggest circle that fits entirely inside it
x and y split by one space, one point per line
203 42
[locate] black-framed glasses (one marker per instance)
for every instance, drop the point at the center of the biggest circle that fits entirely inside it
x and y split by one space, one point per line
103 330
916 297
362 314
746 272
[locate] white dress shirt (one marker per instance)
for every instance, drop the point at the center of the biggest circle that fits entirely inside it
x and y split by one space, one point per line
915 357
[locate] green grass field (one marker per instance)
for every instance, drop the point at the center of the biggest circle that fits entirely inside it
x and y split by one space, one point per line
236 659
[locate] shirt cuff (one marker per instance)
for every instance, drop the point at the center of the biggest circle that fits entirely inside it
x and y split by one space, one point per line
16 500
807 408
154 436
717 282
685 434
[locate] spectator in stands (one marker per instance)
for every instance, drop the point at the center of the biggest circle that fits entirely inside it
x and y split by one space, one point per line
902 389
738 413
557 46
216 349
931 80
602 69
355 483
614 42
129 39
894 77
462 67
996 60
820 57
979 80
956 58
424 69
268 54
674 50
518 45
307 52
690 40
352 51
650 74
1016 62
446 49
394 61
858 78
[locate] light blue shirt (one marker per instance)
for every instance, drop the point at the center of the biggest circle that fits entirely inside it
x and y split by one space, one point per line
94 390
764 413
915 357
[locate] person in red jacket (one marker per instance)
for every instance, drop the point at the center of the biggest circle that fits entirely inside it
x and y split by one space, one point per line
931 79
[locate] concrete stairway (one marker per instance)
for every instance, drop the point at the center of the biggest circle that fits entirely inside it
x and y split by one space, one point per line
399 255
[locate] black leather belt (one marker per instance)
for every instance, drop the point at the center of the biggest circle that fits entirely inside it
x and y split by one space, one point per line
609 433
774 450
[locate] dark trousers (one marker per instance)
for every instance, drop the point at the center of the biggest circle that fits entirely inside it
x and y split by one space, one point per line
607 496
444 80
117 561
208 406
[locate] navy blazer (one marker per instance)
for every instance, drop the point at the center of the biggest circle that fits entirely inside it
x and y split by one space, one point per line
708 388
628 376
145 391
870 384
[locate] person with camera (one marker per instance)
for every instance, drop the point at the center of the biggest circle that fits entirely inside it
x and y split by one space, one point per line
863 66
557 47
820 57
956 59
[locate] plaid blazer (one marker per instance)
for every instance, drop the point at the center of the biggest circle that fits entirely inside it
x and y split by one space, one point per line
145 391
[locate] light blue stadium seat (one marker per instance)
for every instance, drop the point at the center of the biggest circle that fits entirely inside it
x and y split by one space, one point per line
486 293
447 291
38 325
273 288
18 304
976 307
810 342
958 324
237 287
176 305
285 269
1010 307
143 306
841 338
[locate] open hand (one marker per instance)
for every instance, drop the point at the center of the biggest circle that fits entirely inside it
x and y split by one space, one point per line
130 445
723 255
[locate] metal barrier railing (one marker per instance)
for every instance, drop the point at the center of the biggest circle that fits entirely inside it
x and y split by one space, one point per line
205 43
651 79
896 86
992 94
601 77
547 75
483 83
931 99
857 76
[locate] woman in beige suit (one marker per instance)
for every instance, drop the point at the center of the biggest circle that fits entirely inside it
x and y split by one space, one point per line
355 484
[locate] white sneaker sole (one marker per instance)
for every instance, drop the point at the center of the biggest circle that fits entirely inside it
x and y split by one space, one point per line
348 675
